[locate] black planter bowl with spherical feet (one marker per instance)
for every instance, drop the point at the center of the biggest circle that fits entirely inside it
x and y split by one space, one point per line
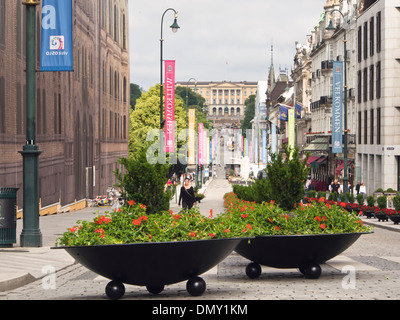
305 252
153 265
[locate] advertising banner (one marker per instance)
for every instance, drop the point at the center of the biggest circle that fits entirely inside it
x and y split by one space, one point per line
192 137
264 146
337 110
169 106
292 132
57 39
201 144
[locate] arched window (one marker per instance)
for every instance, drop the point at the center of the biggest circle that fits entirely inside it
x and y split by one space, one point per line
214 111
238 111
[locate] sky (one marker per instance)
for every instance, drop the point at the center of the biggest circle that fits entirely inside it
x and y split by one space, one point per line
218 39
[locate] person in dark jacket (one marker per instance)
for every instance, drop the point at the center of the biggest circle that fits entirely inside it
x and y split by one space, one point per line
187 195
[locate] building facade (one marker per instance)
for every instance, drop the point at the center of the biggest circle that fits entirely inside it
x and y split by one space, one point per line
82 117
225 100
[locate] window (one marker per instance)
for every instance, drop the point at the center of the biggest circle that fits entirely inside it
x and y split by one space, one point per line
238 111
359 127
2 105
365 127
365 40
214 111
371 36
365 84
359 86
378 31
378 126
378 80
371 126
2 24
359 44
371 82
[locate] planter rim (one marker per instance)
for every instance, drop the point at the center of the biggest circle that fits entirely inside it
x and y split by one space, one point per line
150 243
310 235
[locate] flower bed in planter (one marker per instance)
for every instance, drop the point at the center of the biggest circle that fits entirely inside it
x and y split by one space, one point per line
303 238
128 246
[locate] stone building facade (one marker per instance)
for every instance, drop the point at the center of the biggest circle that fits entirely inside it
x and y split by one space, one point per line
82 116
225 100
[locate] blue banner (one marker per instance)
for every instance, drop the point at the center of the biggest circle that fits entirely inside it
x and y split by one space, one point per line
298 111
337 110
57 40
283 113
264 146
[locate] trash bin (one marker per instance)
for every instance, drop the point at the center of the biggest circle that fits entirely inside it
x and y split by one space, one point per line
8 217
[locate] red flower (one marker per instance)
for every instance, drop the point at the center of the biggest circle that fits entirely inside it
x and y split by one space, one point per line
192 234
211 214
73 229
227 230
137 222
176 216
243 209
321 200
249 227
318 218
212 235
277 228
322 226
244 215
244 230
131 202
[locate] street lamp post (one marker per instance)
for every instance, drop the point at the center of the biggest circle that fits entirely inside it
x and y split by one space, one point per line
345 175
31 235
174 28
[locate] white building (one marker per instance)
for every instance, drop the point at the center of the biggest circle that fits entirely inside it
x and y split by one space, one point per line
378 94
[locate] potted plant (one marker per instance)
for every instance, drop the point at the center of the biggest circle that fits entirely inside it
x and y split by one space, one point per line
360 199
395 216
129 246
302 236
380 212
199 196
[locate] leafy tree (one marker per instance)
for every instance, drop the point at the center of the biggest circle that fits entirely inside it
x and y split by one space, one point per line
146 117
249 113
135 94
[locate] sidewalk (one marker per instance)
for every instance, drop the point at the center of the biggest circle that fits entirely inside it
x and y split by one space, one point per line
20 266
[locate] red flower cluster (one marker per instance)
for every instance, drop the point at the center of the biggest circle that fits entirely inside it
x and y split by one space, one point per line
102 219
138 222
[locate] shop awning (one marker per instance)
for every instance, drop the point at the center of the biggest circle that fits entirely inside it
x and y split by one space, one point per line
311 159
319 144
341 166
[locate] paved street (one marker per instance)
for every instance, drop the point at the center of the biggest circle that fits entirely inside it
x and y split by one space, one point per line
370 269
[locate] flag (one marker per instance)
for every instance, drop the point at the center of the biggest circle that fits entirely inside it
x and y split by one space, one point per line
337 111
169 106
298 111
283 113
56 40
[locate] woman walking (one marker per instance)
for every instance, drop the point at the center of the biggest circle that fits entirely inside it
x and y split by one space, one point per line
187 195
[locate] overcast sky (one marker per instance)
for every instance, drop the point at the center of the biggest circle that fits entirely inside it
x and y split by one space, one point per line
218 39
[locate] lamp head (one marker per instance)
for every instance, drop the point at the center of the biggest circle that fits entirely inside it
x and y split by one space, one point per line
175 27
330 25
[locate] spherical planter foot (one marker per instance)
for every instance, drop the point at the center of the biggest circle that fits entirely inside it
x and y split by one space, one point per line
311 271
253 270
196 286
115 290
155 289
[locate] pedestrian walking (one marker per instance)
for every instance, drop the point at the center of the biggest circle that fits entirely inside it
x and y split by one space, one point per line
187 195
363 189
357 187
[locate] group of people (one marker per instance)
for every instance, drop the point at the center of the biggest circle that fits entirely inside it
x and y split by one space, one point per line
338 188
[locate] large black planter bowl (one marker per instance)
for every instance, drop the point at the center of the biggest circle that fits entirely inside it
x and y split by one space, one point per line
305 252
153 265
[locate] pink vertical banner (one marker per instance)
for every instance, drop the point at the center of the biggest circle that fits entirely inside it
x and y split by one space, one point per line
201 143
251 152
169 106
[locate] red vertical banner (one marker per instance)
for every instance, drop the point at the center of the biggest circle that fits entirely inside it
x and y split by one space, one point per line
169 105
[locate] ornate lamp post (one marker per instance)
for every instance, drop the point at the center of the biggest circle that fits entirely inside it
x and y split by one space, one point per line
31 235
345 176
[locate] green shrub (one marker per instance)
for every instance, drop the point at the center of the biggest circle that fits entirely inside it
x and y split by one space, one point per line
321 194
312 193
371 201
382 202
144 183
286 178
396 202
350 197
360 199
